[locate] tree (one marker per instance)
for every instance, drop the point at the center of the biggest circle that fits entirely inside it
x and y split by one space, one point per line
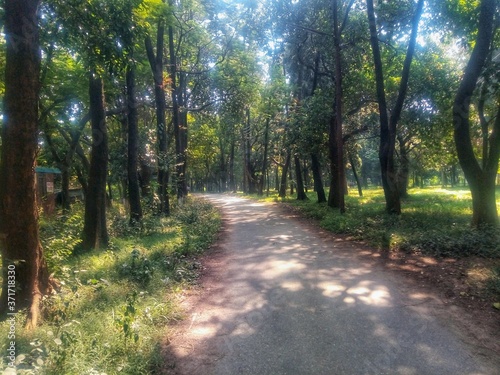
388 124
95 234
22 254
336 143
82 23
156 63
132 158
481 179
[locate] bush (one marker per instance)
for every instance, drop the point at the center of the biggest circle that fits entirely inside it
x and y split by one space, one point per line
60 236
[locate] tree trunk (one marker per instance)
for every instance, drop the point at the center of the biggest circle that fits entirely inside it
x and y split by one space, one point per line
95 233
388 127
318 183
222 168
481 180
156 63
232 181
262 180
356 177
282 191
404 169
183 133
249 169
176 119
145 179
134 195
301 194
336 145
24 272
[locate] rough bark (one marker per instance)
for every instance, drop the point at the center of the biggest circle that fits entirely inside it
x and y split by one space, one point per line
21 251
481 179
95 233
134 195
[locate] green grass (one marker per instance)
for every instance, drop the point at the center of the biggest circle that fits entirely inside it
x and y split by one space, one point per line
114 306
434 221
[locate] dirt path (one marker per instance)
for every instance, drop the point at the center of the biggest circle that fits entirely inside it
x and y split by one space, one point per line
281 297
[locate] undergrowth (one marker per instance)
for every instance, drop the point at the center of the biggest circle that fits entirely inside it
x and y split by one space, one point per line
433 222
113 306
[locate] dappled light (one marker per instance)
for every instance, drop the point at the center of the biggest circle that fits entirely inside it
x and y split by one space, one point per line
377 121
292 302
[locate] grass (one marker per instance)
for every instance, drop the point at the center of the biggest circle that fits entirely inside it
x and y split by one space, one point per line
114 306
434 221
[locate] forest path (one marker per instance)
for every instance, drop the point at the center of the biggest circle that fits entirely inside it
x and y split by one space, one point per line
280 296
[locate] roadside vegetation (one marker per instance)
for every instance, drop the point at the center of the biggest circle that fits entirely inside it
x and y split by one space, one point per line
113 307
435 222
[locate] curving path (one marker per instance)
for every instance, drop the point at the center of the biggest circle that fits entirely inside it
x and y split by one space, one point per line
281 297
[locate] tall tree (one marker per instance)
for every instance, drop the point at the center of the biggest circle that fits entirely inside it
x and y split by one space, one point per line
22 254
132 143
95 234
388 124
336 144
156 63
481 179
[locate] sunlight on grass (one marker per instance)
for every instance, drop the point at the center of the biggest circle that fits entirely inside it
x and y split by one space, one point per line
113 307
434 221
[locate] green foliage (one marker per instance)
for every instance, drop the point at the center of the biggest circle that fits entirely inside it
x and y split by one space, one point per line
126 320
197 236
60 236
128 292
138 269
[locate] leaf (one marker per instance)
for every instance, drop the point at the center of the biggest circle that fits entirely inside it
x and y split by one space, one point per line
496 305
58 341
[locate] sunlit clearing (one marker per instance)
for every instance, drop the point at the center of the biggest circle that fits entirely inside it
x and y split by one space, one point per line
459 194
